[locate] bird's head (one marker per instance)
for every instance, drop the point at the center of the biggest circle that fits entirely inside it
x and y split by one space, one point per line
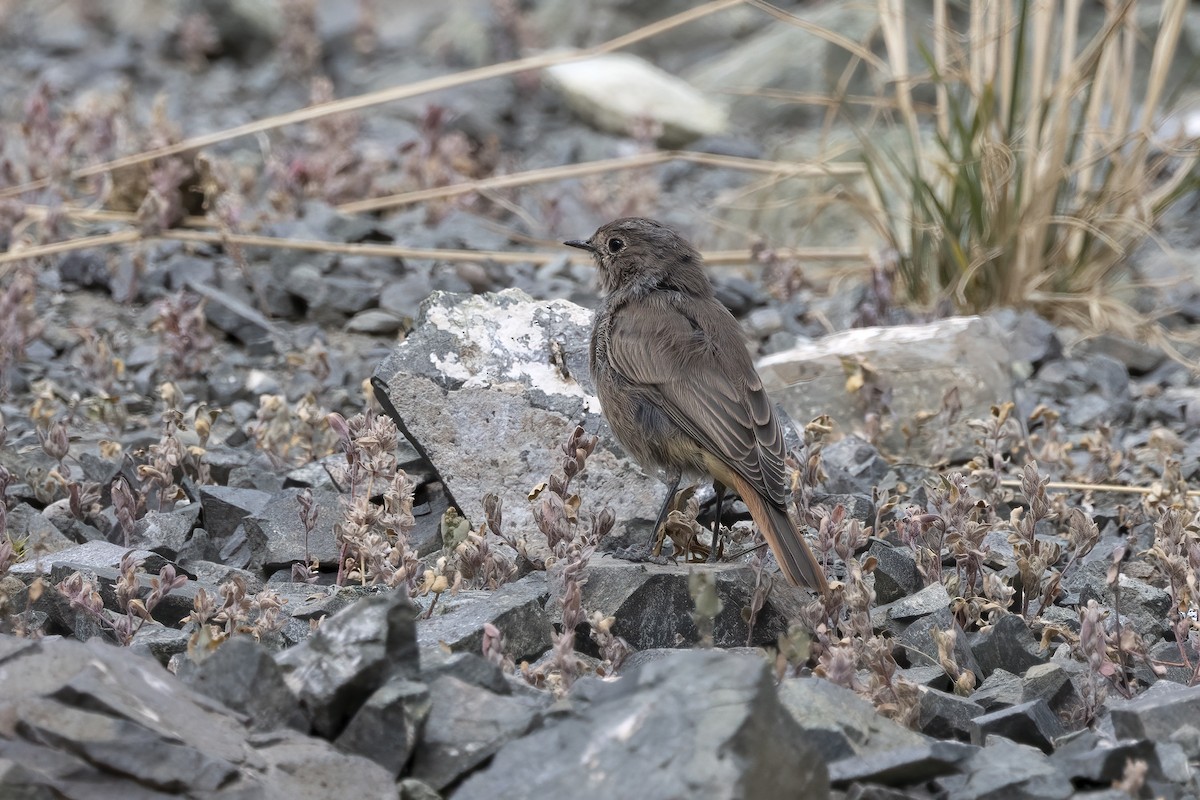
638 255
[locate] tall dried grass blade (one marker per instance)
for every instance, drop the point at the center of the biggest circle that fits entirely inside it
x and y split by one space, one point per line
941 65
819 254
789 169
1009 58
891 19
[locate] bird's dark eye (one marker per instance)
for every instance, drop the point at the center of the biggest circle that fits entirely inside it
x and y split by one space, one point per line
615 245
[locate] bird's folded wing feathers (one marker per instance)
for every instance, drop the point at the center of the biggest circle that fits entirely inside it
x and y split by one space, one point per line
708 387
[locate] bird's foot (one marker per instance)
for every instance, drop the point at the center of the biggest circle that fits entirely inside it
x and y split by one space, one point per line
716 552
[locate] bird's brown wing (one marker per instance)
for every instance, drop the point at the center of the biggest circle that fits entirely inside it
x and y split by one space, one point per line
701 371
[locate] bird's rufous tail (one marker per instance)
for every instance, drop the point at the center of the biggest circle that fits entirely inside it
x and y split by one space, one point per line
787 543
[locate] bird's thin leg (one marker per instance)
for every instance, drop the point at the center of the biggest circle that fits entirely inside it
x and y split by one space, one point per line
674 478
717 549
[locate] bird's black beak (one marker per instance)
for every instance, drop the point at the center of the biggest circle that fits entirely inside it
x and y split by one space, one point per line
582 245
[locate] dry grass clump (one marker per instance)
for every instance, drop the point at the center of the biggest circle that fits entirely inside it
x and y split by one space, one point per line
1042 163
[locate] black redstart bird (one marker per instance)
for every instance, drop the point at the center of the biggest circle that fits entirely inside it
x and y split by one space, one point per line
677 383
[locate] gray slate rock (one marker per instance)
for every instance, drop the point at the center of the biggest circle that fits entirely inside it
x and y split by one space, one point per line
26 523
1157 713
159 642
1052 682
1008 645
921 647
350 656
904 765
653 608
896 574
930 600
89 556
852 466
1138 358
919 363
374 322
413 789
231 315
224 508
1088 756
1146 607
166 533
839 723
388 724
1030 723
932 677
242 675
96 721
169 611
465 726
946 715
518 609
1008 769
301 767
277 525
1001 689
475 388
470 668
1032 339
712 720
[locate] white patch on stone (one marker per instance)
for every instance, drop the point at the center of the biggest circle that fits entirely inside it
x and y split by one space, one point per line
450 366
514 335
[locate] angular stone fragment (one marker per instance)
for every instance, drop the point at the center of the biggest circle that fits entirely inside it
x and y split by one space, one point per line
386 727
896 574
1008 645
946 715
465 726
1030 723
350 656
277 525
1008 769
243 675
839 723
712 721
1156 713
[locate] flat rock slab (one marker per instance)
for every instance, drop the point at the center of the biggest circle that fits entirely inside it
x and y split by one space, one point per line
840 723
87 556
517 609
277 526
653 608
903 766
1031 723
476 388
697 724
918 363
1008 769
1157 713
